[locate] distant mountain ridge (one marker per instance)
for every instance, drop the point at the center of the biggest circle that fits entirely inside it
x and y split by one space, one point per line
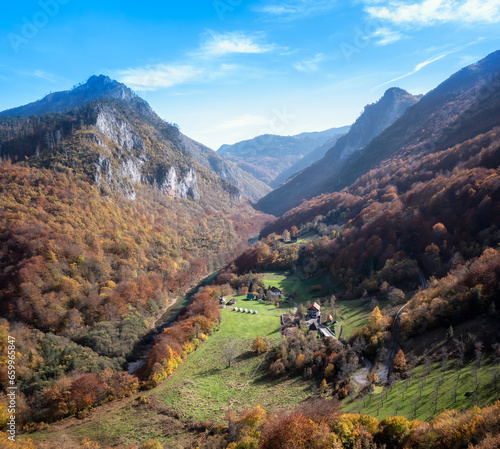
308 183
119 114
268 156
310 158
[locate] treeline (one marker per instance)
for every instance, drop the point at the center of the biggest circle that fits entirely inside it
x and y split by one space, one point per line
191 328
320 425
84 276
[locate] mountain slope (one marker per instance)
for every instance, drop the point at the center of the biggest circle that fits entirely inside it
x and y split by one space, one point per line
267 156
309 183
310 158
458 109
117 119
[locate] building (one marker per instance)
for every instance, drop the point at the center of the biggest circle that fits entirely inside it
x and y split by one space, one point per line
313 312
232 302
276 291
250 297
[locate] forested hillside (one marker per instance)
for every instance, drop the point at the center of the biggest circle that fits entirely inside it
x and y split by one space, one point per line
84 275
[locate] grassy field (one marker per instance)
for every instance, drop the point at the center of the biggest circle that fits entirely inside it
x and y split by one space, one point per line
204 387
201 389
295 282
417 397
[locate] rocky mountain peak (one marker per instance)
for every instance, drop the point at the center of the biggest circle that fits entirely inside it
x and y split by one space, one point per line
96 87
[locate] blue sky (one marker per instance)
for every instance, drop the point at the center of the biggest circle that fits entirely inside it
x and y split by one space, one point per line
228 70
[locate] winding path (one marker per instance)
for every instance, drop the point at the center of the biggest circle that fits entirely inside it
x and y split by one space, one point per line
361 377
383 374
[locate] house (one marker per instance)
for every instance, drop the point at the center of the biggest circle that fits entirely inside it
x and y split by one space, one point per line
276 291
289 320
313 312
329 320
232 302
250 297
222 301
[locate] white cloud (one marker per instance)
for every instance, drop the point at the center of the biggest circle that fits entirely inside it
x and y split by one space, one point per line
417 68
200 66
296 8
430 12
231 43
385 36
158 76
310 65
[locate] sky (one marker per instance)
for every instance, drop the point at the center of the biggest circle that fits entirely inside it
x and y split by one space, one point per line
229 70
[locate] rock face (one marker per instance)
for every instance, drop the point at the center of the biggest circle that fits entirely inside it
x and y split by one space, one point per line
124 172
179 186
118 130
374 119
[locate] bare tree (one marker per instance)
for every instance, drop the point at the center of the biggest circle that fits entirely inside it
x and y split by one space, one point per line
455 393
428 365
478 353
229 353
444 358
415 407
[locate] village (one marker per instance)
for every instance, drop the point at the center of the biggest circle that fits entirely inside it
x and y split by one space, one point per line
303 318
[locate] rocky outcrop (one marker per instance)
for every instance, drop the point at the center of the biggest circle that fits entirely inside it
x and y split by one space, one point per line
118 130
123 177
177 186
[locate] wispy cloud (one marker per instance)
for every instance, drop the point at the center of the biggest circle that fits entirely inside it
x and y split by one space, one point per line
158 76
42 74
236 42
310 65
417 68
291 9
200 66
386 36
430 12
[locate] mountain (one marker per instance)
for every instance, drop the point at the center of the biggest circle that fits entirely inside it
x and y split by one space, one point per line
310 182
310 158
267 156
107 109
108 215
